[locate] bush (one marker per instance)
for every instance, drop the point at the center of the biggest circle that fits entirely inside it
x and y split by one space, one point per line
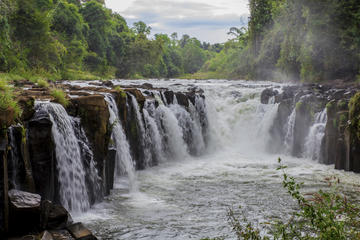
42 83
7 99
59 97
324 215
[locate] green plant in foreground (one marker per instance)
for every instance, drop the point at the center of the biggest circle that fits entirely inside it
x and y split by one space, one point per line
59 97
322 215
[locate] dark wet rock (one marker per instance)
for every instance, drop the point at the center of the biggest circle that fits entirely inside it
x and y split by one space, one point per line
61 235
24 215
7 117
80 232
108 84
147 86
4 206
182 99
169 95
54 216
43 160
267 94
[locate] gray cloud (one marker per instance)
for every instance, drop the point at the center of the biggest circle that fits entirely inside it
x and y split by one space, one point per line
197 19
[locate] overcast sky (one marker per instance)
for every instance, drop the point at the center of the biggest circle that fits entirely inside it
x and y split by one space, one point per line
207 20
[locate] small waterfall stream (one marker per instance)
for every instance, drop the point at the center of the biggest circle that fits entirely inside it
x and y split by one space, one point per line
316 134
71 171
14 164
289 137
124 162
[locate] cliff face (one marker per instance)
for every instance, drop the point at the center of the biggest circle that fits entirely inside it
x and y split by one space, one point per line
299 117
30 157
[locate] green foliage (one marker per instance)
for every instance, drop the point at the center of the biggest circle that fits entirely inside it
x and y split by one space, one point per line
7 99
354 115
321 215
42 83
59 96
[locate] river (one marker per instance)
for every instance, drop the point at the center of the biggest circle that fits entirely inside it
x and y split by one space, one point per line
189 198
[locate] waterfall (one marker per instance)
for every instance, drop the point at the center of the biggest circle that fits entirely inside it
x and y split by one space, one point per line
316 134
191 131
154 137
172 132
71 172
124 162
87 155
144 138
14 163
289 137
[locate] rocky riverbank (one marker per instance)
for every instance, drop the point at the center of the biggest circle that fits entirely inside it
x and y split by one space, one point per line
33 188
298 116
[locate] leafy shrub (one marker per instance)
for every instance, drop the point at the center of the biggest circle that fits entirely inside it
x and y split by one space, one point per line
42 83
7 99
59 97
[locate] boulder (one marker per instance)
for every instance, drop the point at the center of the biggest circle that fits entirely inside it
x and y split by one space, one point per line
54 216
25 210
267 94
80 232
61 235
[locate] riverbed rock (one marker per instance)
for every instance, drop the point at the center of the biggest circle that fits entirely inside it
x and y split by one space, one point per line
25 210
267 94
80 232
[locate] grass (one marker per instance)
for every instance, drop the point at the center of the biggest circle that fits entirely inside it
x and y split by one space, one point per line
42 83
7 98
121 91
59 96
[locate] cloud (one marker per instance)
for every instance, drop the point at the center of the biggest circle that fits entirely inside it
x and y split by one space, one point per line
208 21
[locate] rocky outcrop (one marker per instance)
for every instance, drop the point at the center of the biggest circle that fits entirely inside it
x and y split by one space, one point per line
340 145
42 155
29 213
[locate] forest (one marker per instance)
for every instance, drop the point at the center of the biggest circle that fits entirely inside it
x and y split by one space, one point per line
308 41
73 39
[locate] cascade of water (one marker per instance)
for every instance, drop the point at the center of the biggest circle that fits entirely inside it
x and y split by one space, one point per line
87 155
144 138
267 121
14 153
124 162
154 137
191 132
71 172
172 132
289 137
316 134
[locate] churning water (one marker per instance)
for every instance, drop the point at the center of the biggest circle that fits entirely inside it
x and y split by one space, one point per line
187 197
